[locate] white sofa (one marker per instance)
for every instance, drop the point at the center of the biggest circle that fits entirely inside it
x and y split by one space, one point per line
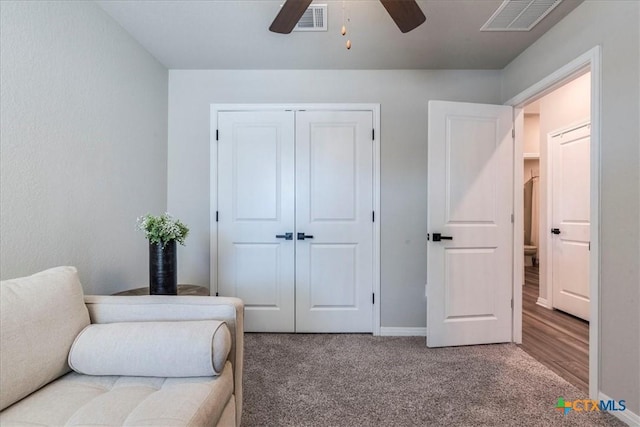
42 317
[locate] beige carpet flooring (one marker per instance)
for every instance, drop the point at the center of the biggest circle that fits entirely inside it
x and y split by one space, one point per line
361 380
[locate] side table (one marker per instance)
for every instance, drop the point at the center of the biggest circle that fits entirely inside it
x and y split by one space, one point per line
182 290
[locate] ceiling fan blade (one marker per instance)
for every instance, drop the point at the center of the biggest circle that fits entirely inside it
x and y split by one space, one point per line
405 13
289 15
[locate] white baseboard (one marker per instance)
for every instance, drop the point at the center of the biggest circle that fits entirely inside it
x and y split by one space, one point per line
544 303
625 416
386 331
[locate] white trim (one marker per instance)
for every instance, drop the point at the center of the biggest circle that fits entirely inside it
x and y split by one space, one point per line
558 78
546 174
388 331
625 416
588 61
571 127
213 202
542 302
213 179
594 261
378 215
295 107
518 224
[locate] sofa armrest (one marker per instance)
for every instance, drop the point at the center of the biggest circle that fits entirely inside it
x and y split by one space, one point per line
111 309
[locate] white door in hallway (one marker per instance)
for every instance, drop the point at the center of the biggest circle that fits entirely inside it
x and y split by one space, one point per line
334 204
571 226
470 202
295 226
255 206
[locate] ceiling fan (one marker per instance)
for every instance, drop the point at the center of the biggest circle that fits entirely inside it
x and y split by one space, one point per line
405 13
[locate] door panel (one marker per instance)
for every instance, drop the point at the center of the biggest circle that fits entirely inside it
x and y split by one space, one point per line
570 183
256 203
333 276
470 199
256 273
466 173
334 204
255 174
333 171
464 299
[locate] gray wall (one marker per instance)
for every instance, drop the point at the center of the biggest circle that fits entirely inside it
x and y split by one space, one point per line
83 140
403 96
614 25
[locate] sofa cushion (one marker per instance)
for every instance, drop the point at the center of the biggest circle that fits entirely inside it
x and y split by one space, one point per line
40 316
152 349
83 400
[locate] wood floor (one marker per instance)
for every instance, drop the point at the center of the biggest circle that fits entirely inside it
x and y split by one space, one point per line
556 339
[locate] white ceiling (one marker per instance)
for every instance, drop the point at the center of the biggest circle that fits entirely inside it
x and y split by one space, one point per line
233 34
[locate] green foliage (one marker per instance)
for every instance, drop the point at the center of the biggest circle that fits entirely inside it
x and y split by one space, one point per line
162 229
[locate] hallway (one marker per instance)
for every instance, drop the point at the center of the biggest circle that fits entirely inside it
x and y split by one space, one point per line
556 339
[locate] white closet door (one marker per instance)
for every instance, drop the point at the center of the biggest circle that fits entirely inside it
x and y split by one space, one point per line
334 204
255 205
570 183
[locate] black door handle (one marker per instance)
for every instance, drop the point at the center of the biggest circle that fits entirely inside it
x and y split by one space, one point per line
555 230
302 236
438 237
285 236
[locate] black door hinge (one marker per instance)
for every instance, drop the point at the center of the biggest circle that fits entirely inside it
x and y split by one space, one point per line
373 216
373 134
216 216
373 298
217 135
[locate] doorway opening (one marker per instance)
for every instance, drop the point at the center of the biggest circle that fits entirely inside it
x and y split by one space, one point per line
556 191
556 195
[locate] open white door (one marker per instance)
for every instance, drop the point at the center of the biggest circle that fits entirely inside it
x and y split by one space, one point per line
470 205
571 224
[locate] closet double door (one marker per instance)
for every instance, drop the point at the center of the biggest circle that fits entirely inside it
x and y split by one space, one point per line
295 230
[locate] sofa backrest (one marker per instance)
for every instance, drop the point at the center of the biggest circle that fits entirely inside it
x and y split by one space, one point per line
40 316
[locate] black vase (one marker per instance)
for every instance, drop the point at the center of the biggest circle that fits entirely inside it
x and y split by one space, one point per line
163 271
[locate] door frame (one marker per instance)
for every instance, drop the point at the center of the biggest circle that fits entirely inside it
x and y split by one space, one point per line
213 182
588 61
548 302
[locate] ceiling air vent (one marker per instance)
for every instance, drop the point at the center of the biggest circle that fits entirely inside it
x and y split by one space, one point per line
314 19
519 15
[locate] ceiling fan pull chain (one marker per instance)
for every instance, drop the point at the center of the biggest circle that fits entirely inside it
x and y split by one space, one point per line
344 24
344 27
